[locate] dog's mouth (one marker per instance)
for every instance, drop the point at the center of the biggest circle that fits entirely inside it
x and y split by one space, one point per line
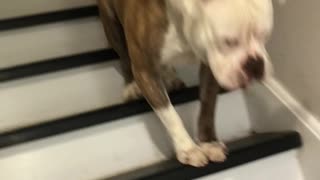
239 80
253 70
237 76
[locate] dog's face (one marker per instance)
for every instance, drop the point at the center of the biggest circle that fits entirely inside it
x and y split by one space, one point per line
237 31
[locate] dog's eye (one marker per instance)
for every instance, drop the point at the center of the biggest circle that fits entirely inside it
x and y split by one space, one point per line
231 42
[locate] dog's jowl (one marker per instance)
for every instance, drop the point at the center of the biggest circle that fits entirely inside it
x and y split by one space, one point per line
227 37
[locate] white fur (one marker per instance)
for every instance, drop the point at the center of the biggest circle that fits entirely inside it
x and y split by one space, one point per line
187 151
175 51
173 123
208 25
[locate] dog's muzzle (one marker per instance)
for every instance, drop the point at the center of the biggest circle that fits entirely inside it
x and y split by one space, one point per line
254 68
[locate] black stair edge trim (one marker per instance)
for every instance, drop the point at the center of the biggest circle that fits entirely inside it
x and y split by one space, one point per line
56 64
45 18
88 119
241 151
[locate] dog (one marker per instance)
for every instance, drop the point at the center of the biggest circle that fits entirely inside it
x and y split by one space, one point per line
227 37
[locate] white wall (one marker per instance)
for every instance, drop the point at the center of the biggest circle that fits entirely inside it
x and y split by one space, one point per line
294 49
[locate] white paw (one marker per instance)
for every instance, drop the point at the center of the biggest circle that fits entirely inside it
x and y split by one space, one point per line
131 92
193 157
215 151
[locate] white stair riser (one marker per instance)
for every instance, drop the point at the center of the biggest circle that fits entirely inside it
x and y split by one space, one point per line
17 8
46 97
278 167
43 42
112 148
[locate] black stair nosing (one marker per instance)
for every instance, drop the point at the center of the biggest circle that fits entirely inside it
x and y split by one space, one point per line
89 119
45 18
242 151
56 64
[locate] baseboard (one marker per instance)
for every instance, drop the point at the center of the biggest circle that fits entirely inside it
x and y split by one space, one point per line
273 108
311 122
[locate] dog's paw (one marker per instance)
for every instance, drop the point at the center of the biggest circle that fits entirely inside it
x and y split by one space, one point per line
131 92
193 157
215 151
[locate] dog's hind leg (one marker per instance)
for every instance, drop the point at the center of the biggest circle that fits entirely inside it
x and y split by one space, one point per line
170 78
116 38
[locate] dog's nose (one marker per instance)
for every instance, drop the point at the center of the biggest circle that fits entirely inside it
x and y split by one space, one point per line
254 67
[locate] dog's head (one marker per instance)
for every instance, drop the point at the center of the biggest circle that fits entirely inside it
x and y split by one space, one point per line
240 31
230 35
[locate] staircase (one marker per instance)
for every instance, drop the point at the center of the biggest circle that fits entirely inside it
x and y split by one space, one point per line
62 115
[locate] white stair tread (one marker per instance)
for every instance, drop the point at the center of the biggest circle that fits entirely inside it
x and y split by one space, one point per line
34 100
112 148
17 8
43 42
284 166
56 95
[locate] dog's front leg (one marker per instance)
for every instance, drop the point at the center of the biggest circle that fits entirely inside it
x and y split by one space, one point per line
153 89
209 90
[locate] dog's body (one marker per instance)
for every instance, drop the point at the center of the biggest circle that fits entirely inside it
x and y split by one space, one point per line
149 35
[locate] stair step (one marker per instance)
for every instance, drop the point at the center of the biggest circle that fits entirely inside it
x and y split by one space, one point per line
18 132
88 119
17 8
281 166
241 151
109 141
56 64
44 18
44 98
49 41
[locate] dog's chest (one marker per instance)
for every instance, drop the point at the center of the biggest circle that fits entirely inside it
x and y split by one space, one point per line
174 51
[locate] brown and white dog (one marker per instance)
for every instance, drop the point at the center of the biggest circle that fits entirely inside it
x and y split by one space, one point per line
227 37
